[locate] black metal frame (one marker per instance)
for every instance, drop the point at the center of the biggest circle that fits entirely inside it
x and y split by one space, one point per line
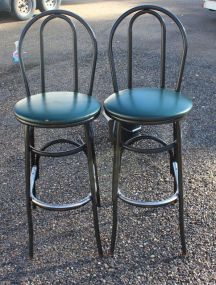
147 9
120 144
32 155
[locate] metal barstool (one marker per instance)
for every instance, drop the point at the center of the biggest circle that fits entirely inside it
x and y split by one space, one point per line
59 110
148 106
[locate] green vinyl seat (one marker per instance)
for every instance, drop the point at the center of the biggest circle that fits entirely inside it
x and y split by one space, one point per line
149 105
57 108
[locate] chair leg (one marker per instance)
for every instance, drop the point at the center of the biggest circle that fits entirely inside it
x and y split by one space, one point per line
88 136
32 156
95 166
180 182
174 156
27 184
115 182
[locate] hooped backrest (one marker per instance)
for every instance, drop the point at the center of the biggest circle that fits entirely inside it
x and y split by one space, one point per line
139 11
67 16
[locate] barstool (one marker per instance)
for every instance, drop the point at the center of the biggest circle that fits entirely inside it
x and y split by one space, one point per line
148 106
59 110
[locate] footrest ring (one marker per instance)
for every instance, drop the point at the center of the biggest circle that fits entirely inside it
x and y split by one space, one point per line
58 207
150 204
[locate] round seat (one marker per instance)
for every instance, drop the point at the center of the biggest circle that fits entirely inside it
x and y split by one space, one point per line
148 105
57 109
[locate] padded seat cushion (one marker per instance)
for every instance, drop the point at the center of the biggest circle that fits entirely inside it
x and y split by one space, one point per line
150 105
57 108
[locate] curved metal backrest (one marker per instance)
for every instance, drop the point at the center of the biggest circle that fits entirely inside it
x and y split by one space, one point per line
64 15
153 10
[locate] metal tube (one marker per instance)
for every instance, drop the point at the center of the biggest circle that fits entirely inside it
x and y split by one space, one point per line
27 185
60 14
180 183
148 8
32 155
148 204
115 181
75 69
163 45
93 188
91 138
166 147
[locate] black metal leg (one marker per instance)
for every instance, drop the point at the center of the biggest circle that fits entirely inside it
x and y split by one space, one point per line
180 182
31 141
174 156
37 163
27 182
115 181
32 157
95 166
172 152
88 136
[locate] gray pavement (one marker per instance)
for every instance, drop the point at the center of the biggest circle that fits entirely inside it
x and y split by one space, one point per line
148 245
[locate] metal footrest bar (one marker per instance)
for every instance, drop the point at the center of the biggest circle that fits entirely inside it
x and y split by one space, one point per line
166 147
79 148
54 207
150 204
154 204
58 207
